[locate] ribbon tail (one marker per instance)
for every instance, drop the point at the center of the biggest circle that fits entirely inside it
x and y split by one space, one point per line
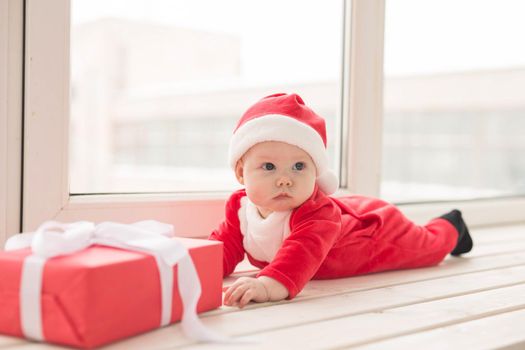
190 292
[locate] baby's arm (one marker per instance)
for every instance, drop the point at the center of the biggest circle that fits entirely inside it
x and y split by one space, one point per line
260 289
230 235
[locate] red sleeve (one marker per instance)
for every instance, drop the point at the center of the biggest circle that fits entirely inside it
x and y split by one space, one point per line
315 226
229 232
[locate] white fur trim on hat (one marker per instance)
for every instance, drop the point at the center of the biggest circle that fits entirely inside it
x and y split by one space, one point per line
274 127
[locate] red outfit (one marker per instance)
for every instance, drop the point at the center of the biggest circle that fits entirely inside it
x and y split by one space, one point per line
339 237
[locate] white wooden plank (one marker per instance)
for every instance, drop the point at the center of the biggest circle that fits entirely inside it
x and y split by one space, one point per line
374 300
451 266
36 346
498 234
365 328
499 228
286 314
504 330
496 248
10 342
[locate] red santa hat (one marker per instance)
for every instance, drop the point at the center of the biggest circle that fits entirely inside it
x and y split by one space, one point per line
285 118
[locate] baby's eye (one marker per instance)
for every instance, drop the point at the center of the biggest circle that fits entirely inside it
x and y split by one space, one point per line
298 166
268 166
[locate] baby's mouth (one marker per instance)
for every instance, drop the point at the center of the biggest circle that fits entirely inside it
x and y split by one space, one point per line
282 196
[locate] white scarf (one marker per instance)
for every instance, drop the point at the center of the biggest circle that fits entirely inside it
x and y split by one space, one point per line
263 237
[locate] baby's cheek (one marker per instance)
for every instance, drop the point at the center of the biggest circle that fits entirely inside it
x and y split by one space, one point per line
256 193
258 200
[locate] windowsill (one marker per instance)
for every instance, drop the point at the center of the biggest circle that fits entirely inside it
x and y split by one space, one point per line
480 212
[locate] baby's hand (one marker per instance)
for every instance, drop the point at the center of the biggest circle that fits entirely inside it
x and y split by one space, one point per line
244 290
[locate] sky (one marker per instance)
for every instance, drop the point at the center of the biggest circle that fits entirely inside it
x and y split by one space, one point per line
301 39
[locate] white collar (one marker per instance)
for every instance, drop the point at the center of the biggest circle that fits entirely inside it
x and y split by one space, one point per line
263 236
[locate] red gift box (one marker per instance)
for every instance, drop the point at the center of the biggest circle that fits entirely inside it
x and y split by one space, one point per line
102 294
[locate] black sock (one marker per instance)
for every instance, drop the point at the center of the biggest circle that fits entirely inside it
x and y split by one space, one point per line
464 243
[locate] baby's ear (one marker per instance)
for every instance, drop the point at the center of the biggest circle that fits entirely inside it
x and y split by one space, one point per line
239 171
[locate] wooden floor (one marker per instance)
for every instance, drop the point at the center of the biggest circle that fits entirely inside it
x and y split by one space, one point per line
473 302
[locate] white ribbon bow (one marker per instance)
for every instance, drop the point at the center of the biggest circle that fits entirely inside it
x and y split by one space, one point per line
54 238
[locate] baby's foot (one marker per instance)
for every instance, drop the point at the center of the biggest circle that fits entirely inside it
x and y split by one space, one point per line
464 243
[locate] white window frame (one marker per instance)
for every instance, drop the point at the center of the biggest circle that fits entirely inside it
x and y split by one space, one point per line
11 57
46 184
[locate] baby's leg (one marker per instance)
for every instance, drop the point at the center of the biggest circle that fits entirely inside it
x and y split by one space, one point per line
401 244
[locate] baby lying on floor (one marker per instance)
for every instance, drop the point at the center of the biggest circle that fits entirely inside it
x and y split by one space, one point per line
289 226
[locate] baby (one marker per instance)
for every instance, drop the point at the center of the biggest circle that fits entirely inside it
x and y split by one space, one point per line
289 227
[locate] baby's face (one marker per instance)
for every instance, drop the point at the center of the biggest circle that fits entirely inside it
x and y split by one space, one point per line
277 176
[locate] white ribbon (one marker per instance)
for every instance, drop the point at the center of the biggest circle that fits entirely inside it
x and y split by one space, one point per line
54 239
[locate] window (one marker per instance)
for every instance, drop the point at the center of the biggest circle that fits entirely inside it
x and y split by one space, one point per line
138 133
158 86
454 103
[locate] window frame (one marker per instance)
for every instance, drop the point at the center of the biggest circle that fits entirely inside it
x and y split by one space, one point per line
11 57
46 184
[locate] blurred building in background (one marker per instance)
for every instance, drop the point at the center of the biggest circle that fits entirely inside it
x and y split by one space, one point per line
153 108
456 135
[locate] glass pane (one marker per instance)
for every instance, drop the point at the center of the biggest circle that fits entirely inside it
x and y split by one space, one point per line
157 86
454 102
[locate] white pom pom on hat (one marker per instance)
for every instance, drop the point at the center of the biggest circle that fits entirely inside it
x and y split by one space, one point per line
285 118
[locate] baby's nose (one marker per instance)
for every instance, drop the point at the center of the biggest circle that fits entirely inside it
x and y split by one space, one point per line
284 181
